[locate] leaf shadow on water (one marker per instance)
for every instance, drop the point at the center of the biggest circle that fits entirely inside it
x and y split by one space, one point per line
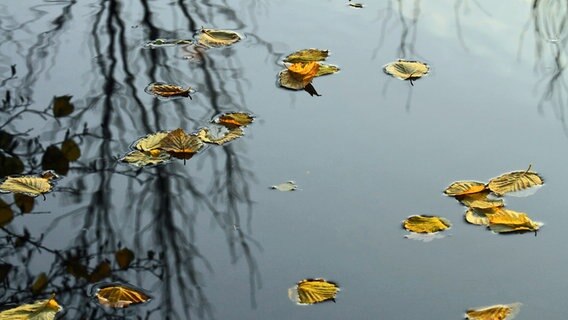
160 221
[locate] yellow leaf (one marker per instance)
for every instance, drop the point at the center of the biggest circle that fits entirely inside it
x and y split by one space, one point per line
496 312
54 159
70 150
40 283
143 159
165 90
477 216
6 213
514 181
406 69
102 271
459 188
219 135
124 257
218 38
310 291
29 185
503 220
150 142
325 69
181 145
298 75
62 106
120 296
285 186
307 55
234 119
425 224
38 310
480 200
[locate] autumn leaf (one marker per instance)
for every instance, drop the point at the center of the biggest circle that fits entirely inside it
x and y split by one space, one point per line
124 257
504 221
406 69
150 142
166 90
298 75
38 310
218 37
477 216
307 55
326 69
515 181
425 224
311 291
496 312
459 188
142 159
219 134
120 295
29 185
480 200
234 119
180 144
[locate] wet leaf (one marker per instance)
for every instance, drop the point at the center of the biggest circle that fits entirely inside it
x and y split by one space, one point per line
514 181
307 55
120 296
167 43
124 257
150 142
29 185
102 271
406 69
143 159
6 213
503 221
54 159
181 145
70 150
40 283
311 291
459 188
286 186
355 5
496 312
166 90
326 69
10 165
218 37
39 310
234 119
219 134
477 216
425 224
62 106
480 200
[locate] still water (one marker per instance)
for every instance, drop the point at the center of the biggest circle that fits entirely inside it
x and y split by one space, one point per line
211 239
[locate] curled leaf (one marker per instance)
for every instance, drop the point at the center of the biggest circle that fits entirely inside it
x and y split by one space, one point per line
477 216
480 200
326 69
218 38
298 75
504 221
307 55
234 119
120 295
311 291
406 69
142 159
168 91
150 142
219 134
425 224
459 188
514 181
496 312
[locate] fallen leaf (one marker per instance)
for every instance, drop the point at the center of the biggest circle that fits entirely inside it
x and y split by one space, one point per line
150 142
29 185
124 258
407 69
120 296
311 291
459 188
307 55
480 200
181 145
425 224
477 216
62 106
234 119
286 186
496 312
168 91
218 37
39 310
503 221
326 69
219 134
142 159
514 181
355 5
298 75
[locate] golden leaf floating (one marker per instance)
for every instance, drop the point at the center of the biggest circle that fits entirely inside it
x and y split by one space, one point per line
70 150
150 142
54 159
218 37
307 55
6 214
168 91
180 144
124 258
425 224
326 69
480 200
144 159
407 69
477 216
219 134
311 291
503 221
496 312
234 119
62 106
514 181
286 186
40 283
459 188
39 310
29 185
120 296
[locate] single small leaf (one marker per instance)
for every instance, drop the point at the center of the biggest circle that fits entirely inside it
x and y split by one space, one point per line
477 216
496 312
54 159
181 145
406 69
29 185
40 283
425 224
218 38
311 291
143 159
168 91
124 257
167 43
219 134
514 181
355 5
62 106
39 310
286 186
504 221
120 296
307 55
70 150
150 142
6 214
326 69
102 271
459 188
234 119
480 200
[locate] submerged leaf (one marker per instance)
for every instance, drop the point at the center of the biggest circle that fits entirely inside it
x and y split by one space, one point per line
459 188
218 37
120 296
311 291
219 134
70 150
234 119
54 159
286 186
181 145
10 165
166 90
29 185
6 213
425 224
142 159
62 106
406 69
307 55
503 221
150 142
24 202
124 257
40 283
496 312
39 310
514 181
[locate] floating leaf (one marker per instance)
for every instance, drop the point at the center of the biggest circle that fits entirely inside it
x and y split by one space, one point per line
166 90
219 134
496 312
40 283
311 291
459 188
406 69
218 38
181 145
120 296
150 142
425 224
307 55
54 159
62 106
102 271
503 221
514 181
286 186
326 69
70 150
6 140
167 43
480 200
124 257
300 77
29 185
477 216
234 119
355 5
143 159
6 213
39 310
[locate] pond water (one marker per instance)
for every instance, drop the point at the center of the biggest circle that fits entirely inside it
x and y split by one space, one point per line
211 239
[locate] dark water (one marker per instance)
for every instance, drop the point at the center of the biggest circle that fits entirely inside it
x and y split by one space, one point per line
369 152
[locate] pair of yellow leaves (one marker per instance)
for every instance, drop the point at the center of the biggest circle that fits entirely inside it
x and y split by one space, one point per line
303 66
312 291
38 310
491 212
495 312
406 70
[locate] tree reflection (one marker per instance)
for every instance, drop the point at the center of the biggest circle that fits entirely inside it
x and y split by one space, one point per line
158 218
